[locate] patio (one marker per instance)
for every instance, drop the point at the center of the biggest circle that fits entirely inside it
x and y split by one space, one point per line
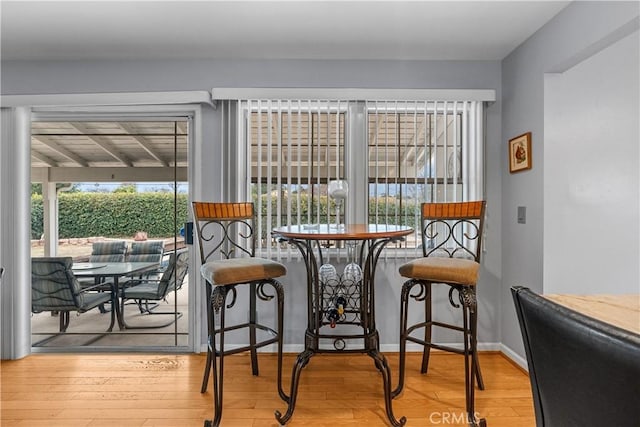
91 327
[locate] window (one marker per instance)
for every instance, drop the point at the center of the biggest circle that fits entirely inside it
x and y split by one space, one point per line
295 150
411 152
416 150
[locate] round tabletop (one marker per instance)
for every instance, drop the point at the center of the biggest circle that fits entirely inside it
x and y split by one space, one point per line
342 231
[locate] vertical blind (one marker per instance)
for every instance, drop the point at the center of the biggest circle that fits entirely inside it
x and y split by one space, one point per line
422 151
289 150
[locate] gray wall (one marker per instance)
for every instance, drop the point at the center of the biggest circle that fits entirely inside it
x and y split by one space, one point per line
514 251
29 77
576 33
36 77
591 167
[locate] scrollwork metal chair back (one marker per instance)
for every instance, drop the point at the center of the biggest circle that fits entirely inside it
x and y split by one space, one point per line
452 229
227 237
225 231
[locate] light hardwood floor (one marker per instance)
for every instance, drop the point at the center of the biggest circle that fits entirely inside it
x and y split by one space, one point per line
335 390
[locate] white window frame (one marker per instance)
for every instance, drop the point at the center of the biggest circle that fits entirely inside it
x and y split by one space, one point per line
356 170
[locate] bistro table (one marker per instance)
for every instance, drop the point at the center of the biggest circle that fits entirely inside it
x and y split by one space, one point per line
344 300
114 270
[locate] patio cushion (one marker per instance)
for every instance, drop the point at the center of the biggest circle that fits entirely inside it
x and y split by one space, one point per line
171 279
112 251
143 290
52 286
149 251
55 288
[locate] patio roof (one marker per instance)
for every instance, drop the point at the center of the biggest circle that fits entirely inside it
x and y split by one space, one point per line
96 151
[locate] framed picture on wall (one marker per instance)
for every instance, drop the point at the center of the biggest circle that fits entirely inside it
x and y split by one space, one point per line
520 153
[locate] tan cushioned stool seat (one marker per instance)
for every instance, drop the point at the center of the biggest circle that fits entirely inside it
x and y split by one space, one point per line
241 270
442 270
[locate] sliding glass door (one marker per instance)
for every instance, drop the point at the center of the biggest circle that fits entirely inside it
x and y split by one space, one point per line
104 183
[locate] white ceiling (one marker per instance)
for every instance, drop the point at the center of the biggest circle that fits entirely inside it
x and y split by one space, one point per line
420 30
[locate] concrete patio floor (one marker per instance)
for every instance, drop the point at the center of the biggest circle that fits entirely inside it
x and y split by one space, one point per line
90 327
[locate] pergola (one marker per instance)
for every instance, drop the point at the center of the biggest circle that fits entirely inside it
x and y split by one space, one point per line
153 150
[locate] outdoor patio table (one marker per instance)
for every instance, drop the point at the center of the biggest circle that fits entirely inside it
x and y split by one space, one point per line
345 300
113 270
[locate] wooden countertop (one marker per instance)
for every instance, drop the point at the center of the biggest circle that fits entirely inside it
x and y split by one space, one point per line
622 311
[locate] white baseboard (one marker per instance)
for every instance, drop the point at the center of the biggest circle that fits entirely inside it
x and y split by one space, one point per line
515 357
385 348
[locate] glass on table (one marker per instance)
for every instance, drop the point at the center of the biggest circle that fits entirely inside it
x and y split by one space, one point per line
338 190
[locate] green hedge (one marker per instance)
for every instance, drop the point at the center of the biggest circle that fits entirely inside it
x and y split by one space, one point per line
37 216
112 214
388 209
123 214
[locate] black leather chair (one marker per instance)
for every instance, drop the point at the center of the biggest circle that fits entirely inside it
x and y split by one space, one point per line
583 372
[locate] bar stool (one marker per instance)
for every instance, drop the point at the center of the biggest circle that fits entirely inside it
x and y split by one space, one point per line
451 245
227 238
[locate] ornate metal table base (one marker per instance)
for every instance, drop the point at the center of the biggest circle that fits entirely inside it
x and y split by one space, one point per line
380 362
347 299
